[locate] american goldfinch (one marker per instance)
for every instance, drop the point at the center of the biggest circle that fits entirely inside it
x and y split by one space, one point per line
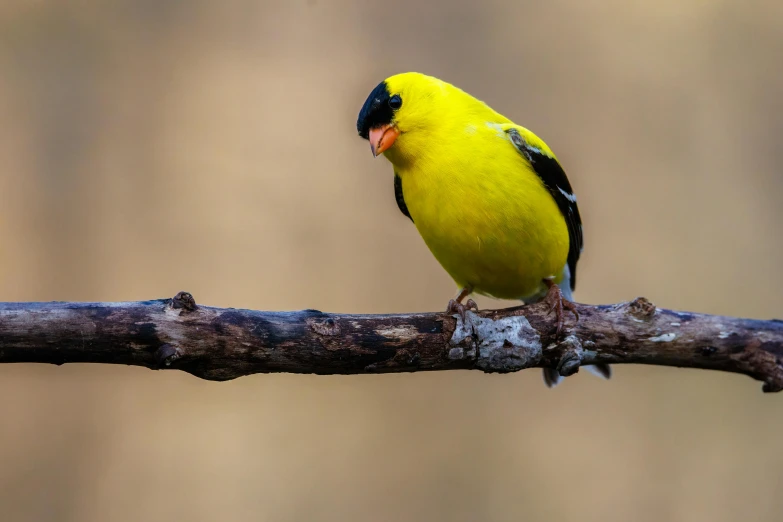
488 197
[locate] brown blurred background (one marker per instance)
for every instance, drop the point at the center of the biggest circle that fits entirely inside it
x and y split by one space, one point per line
150 147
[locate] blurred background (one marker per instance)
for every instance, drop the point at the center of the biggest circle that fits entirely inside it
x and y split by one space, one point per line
150 147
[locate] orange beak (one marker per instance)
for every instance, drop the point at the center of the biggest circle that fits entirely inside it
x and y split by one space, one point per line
382 137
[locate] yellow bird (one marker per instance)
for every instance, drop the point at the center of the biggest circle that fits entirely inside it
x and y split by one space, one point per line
488 197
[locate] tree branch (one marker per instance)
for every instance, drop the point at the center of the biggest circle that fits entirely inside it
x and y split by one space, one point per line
225 343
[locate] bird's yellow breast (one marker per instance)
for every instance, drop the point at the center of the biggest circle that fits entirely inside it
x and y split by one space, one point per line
482 211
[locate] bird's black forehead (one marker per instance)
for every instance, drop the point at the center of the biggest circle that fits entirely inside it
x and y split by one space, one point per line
375 111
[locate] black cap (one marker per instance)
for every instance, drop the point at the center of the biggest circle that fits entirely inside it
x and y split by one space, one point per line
375 111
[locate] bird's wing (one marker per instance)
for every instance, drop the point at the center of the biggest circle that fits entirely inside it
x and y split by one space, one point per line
399 196
547 168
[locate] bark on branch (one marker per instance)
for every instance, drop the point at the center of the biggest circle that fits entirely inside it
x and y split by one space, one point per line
225 343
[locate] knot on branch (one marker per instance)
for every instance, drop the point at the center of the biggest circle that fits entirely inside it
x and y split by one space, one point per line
765 360
183 301
571 358
327 326
641 308
167 354
500 345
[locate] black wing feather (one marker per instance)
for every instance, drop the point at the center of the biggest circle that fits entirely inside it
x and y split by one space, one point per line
399 196
556 182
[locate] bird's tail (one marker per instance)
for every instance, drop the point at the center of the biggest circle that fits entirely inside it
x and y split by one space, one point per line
551 376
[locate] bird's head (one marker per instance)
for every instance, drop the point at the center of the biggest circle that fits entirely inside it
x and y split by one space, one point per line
397 110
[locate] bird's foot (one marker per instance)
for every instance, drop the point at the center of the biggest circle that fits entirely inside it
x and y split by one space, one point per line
558 304
455 307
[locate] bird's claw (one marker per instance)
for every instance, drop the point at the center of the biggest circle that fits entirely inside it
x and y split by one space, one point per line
455 307
558 304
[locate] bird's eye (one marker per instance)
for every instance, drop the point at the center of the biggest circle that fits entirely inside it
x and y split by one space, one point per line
395 102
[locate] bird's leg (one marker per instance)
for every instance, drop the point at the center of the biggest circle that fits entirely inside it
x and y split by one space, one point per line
558 304
456 307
